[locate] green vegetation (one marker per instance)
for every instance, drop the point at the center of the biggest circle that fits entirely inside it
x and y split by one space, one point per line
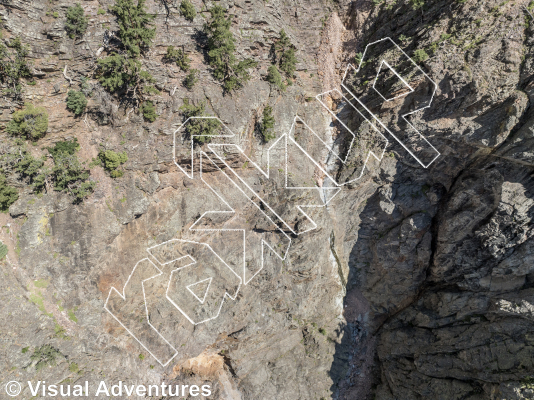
187 9
73 367
221 49
45 355
179 57
191 79
71 176
284 55
60 332
31 122
18 161
41 283
201 130
72 316
101 11
121 70
417 4
8 194
118 72
141 357
25 350
14 66
267 124
66 147
136 30
3 250
111 161
274 77
149 111
76 24
67 174
76 102
420 55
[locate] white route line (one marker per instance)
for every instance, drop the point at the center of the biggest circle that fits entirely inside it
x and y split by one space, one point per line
404 115
123 296
239 182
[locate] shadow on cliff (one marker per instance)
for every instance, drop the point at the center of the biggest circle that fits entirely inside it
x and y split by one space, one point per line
351 370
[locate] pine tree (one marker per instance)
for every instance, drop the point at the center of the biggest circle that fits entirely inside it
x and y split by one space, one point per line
191 79
201 129
274 77
118 72
76 24
30 122
187 9
267 124
76 102
284 54
149 111
179 57
14 66
136 30
122 70
221 48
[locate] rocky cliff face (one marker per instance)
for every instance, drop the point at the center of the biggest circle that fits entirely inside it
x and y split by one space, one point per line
416 282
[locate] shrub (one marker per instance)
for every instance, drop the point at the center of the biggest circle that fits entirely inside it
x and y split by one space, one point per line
274 77
187 9
267 124
149 111
221 48
118 72
71 176
420 55
45 355
31 168
14 66
76 102
3 250
8 194
179 57
31 122
136 30
284 54
66 147
191 79
76 24
111 161
68 173
200 130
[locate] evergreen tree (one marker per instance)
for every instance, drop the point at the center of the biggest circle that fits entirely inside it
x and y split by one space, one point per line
149 111
76 24
179 57
191 79
187 9
200 129
267 124
274 77
76 102
136 30
14 66
8 194
122 70
31 122
118 72
221 48
284 54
